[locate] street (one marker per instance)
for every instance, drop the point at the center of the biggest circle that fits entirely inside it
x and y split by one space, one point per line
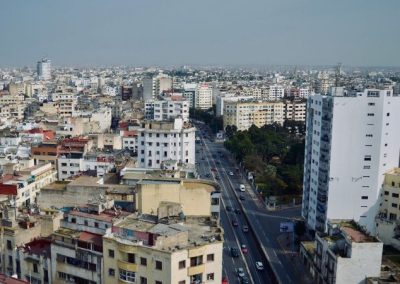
215 161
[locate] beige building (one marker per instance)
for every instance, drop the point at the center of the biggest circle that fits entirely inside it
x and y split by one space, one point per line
140 250
245 114
388 218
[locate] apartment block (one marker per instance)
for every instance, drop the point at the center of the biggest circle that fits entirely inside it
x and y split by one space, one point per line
345 254
159 141
245 114
203 96
295 110
352 141
140 249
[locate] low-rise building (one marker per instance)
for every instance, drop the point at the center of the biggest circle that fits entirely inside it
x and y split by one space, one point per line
345 254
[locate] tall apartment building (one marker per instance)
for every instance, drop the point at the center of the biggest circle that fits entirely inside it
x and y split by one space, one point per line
203 96
352 140
245 114
44 69
167 109
189 93
160 141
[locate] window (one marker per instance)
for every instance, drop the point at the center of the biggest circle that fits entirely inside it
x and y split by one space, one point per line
158 265
143 261
197 260
182 264
386 192
96 225
368 135
364 197
111 253
371 114
388 114
9 244
63 164
371 104
367 158
143 280
35 267
210 276
86 223
73 220
182 282
394 205
210 257
111 272
131 257
395 195
367 167
127 275
158 282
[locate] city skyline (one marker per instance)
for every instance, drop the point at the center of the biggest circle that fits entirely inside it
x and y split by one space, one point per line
178 32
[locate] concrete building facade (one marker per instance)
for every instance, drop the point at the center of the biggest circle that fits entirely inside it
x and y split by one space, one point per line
352 140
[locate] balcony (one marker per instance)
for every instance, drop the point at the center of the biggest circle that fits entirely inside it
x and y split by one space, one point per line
127 265
196 270
127 248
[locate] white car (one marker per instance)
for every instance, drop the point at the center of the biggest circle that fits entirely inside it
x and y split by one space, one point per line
240 272
242 188
259 265
230 173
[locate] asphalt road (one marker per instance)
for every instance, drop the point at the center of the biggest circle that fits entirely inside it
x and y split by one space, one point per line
234 236
266 223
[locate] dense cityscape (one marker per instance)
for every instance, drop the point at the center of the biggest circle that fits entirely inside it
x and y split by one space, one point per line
199 175
199 142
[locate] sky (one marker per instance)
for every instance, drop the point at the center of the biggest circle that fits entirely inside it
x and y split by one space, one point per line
202 32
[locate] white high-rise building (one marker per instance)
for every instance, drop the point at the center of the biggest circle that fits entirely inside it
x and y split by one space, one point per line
161 141
352 140
167 109
203 96
149 88
44 69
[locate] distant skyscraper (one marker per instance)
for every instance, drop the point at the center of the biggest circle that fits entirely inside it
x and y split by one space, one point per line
352 140
44 69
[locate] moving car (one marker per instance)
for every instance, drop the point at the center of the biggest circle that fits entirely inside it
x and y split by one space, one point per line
234 252
230 173
245 228
228 208
241 197
240 272
259 265
225 280
235 223
244 249
242 188
244 280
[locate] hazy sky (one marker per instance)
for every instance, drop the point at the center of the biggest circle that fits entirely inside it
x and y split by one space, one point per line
176 32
